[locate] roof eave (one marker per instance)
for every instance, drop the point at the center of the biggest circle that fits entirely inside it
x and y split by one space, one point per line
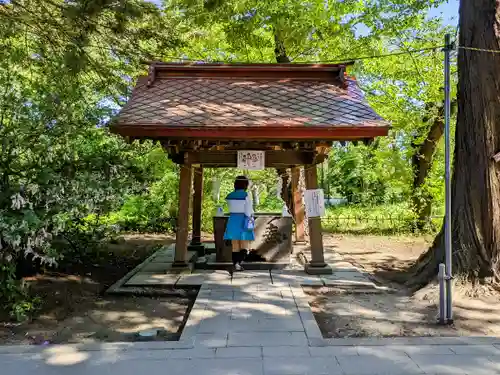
249 67
319 72
258 133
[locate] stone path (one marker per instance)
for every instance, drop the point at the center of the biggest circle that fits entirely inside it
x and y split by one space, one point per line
155 271
251 307
453 356
258 323
396 360
248 310
254 325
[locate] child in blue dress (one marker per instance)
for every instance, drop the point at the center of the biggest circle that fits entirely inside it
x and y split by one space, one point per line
239 229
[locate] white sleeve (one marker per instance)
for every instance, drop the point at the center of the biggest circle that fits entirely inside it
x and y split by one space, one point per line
248 206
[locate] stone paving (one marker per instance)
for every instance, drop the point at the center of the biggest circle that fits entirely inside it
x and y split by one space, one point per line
156 270
262 360
245 310
244 353
259 323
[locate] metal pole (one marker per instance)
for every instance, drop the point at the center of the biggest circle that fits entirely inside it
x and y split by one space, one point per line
447 223
442 293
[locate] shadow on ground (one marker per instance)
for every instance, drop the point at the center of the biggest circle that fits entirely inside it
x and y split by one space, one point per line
75 309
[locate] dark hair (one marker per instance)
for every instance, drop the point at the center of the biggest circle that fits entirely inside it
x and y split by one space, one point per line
241 183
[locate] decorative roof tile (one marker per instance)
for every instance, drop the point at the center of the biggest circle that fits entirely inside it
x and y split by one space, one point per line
228 102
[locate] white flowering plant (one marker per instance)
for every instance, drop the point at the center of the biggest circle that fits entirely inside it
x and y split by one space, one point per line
59 174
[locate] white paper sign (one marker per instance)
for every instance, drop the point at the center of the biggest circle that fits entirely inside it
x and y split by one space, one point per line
314 202
251 160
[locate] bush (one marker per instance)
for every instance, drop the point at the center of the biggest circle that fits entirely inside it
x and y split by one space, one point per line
368 175
52 198
15 297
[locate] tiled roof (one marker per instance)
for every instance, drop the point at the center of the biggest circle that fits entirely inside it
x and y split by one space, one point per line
187 102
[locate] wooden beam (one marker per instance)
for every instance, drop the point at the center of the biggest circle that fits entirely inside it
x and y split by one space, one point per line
281 132
181 240
228 158
197 204
323 72
298 207
315 231
231 145
319 158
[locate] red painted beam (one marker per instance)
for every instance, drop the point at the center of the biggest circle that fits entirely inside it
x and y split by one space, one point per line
285 133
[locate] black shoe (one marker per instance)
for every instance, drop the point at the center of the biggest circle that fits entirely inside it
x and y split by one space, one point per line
255 257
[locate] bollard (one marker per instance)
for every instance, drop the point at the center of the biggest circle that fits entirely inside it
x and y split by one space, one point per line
442 291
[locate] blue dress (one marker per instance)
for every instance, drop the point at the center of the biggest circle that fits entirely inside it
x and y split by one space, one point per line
239 208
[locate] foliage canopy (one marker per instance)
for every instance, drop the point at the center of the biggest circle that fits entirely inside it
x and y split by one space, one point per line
66 67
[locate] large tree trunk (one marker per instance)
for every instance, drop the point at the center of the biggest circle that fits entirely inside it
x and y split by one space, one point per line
476 179
422 163
280 50
286 188
282 58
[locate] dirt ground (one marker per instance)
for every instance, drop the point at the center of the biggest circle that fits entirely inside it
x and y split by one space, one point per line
400 313
75 310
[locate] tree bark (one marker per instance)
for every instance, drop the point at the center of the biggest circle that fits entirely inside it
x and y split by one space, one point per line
282 58
475 220
280 50
422 163
285 193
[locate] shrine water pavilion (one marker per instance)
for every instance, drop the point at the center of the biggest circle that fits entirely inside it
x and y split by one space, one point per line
203 114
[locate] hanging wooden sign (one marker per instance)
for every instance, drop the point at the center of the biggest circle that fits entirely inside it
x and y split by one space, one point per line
251 160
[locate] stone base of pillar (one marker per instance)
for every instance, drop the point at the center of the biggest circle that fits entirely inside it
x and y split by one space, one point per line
318 269
300 242
218 266
181 266
198 247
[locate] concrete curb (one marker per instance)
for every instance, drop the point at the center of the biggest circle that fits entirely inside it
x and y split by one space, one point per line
316 339
410 341
93 347
116 288
311 328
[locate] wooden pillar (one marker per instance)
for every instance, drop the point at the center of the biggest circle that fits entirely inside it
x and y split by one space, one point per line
317 263
298 207
181 240
196 244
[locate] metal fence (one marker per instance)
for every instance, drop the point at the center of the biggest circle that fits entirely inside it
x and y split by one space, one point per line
379 224
333 223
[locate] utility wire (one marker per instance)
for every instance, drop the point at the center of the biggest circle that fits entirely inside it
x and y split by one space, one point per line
333 61
479 49
337 61
367 57
359 58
